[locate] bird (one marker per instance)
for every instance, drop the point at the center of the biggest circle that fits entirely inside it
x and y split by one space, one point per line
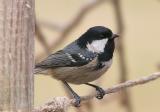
82 61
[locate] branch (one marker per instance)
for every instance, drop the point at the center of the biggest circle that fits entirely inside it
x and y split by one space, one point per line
52 25
75 22
125 95
41 37
60 104
88 106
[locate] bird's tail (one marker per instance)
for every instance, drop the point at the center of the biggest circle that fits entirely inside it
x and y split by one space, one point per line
39 70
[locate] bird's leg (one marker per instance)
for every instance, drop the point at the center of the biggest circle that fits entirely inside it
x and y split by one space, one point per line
100 91
75 95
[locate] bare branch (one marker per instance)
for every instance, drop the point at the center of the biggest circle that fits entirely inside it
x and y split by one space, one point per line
125 99
84 10
60 104
41 38
76 21
51 25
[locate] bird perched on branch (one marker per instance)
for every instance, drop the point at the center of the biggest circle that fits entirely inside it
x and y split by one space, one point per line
82 61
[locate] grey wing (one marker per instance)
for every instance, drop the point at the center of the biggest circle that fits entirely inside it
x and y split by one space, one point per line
72 55
54 60
62 59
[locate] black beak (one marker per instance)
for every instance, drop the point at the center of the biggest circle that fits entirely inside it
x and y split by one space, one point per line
115 36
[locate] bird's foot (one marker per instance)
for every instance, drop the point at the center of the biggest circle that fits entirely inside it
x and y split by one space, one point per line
77 100
75 95
100 93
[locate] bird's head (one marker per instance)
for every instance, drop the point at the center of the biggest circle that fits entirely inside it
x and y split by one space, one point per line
96 39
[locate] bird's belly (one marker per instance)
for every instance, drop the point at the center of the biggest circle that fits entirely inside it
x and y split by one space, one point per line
80 75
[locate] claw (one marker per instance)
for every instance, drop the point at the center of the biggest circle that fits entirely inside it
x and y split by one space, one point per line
75 95
77 101
100 93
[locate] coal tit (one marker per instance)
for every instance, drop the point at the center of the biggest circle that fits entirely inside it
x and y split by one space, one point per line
82 61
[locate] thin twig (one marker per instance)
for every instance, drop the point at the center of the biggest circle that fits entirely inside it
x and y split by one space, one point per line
60 104
125 99
41 38
88 106
52 25
76 21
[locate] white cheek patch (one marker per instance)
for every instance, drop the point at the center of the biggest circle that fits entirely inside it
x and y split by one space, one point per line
97 45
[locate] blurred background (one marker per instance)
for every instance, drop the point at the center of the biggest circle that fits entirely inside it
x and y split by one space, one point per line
59 22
